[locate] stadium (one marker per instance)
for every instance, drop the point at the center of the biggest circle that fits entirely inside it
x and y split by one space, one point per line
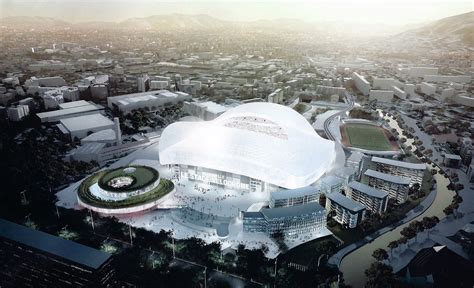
123 190
252 147
368 137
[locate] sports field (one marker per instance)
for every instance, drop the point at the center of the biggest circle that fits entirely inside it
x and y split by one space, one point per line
366 137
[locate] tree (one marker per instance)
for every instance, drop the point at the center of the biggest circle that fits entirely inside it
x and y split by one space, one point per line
408 233
392 245
380 275
448 210
428 223
417 227
380 254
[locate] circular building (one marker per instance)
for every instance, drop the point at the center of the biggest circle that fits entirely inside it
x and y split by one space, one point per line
123 190
251 147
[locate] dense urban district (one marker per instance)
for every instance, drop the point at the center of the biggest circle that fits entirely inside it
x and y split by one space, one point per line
187 151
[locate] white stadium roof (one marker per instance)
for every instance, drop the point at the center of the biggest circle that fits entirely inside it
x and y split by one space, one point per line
265 141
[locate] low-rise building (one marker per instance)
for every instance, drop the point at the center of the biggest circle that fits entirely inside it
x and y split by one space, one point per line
204 110
151 100
291 220
452 160
396 186
348 212
81 126
373 199
413 171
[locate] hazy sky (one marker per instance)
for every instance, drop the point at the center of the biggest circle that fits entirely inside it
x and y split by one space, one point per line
392 12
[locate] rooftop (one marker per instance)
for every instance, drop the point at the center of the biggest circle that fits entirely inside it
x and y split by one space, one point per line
73 104
292 211
85 122
366 189
415 166
387 177
56 246
345 202
47 116
293 193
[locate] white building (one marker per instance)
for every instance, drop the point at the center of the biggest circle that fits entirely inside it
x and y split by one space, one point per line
70 109
159 85
427 88
81 126
276 96
152 100
447 78
204 110
361 83
17 113
419 72
381 95
56 81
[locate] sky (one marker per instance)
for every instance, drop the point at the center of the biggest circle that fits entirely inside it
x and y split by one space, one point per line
388 12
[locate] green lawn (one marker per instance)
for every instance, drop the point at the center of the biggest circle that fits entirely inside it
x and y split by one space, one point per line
367 137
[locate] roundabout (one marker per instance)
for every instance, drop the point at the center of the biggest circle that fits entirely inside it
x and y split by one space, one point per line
123 190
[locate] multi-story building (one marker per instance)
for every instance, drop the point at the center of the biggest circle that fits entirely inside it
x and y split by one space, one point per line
292 220
361 83
373 199
331 184
396 186
30 258
349 213
292 197
413 171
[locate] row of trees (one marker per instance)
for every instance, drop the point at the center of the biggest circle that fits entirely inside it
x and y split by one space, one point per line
411 231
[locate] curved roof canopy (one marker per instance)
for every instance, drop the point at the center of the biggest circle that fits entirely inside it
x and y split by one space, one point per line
265 141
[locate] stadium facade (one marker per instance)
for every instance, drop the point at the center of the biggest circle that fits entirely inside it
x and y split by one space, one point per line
252 147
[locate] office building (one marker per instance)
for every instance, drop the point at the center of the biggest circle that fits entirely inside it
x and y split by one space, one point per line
348 212
361 83
292 221
31 258
292 197
373 199
396 186
414 171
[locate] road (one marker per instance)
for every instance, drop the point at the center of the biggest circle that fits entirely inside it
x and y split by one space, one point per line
354 275
329 120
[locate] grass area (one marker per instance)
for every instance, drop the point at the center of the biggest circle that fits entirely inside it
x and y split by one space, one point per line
367 137
302 108
143 176
309 252
84 194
